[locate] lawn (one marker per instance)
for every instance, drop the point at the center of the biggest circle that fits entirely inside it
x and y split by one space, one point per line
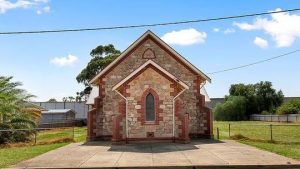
286 136
46 141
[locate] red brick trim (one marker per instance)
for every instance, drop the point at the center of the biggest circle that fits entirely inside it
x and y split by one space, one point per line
122 108
184 118
125 85
116 135
171 139
142 111
97 108
90 133
203 109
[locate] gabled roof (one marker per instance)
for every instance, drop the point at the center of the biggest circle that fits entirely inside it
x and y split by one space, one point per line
141 68
161 42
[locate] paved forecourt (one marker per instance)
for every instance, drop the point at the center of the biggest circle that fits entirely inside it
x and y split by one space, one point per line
203 153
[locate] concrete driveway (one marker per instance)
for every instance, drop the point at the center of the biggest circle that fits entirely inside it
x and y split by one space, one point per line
203 154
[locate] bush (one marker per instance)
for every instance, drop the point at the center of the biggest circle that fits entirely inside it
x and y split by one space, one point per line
234 109
265 112
17 135
5 136
291 107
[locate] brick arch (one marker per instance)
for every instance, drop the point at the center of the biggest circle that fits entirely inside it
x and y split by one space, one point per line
142 111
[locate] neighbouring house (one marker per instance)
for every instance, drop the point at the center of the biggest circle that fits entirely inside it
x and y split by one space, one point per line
150 92
57 118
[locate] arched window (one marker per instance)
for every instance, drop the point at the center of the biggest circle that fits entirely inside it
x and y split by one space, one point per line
150 107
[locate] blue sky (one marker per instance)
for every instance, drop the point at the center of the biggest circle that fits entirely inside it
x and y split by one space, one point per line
210 46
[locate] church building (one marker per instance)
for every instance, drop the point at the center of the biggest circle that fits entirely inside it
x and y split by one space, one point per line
150 92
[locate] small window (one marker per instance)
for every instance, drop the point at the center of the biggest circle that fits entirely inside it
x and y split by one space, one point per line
150 108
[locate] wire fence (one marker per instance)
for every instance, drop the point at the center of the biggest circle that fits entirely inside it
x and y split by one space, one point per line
285 133
43 135
57 131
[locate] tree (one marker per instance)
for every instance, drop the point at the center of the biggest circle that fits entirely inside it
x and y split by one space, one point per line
291 107
71 98
65 99
247 91
52 100
234 109
101 57
259 97
15 111
267 97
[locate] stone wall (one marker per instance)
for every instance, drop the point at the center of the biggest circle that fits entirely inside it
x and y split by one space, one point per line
148 81
190 100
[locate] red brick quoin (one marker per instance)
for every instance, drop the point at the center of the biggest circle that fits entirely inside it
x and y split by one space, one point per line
142 111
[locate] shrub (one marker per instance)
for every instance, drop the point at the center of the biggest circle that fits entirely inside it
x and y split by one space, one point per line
16 123
233 109
291 107
265 112
5 136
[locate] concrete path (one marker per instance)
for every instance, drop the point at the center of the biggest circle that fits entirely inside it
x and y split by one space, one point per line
198 153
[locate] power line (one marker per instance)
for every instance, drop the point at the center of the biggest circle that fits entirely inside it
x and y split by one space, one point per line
254 63
146 25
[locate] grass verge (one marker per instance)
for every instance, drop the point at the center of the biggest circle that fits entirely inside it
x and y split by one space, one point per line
13 155
46 141
286 136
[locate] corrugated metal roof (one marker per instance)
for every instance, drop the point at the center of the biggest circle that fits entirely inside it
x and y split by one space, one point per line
58 111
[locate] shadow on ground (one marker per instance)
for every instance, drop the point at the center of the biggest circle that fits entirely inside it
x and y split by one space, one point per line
152 147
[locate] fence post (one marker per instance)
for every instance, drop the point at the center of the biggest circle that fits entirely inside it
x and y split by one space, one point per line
271 117
73 134
229 130
218 136
35 133
271 132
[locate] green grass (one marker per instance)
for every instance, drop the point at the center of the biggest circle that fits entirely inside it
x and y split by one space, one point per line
286 137
56 134
13 155
10 156
288 150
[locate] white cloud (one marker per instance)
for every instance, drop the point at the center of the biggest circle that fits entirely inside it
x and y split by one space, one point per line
284 28
43 10
262 43
6 5
43 1
184 37
216 29
64 61
229 30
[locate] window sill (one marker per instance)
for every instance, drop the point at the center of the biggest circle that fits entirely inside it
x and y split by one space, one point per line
149 123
